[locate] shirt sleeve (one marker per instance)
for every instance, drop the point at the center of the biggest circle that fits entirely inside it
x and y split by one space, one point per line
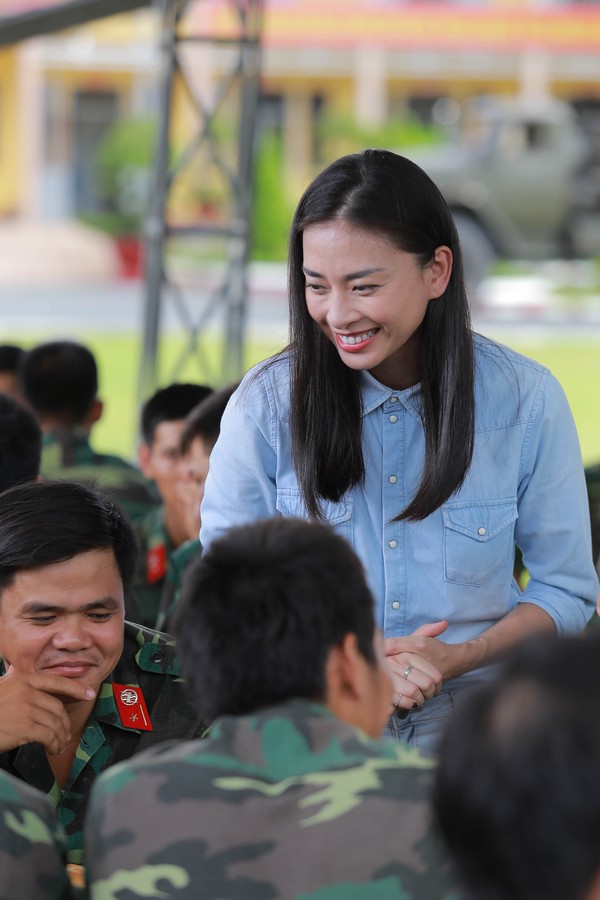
553 525
241 482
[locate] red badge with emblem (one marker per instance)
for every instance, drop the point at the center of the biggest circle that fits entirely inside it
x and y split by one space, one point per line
156 563
132 707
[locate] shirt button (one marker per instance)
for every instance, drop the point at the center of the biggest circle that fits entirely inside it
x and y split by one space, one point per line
392 479
157 657
396 604
393 399
393 544
482 531
393 418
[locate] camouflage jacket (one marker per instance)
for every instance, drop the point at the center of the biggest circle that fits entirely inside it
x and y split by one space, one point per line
179 560
592 481
155 552
160 570
32 847
67 454
149 664
287 803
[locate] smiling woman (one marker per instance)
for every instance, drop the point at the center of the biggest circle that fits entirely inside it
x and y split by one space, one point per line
432 450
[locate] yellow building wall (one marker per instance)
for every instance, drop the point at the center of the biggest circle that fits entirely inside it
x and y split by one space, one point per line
10 174
505 25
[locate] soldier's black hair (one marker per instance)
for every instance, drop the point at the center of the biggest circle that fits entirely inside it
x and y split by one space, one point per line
262 608
60 379
204 421
46 522
20 444
517 792
169 404
10 357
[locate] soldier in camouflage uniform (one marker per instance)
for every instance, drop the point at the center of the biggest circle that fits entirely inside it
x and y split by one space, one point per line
79 689
155 560
20 443
162 531
11 357
179 560
67 454
60 383
592 480
199 436
293 794
32 848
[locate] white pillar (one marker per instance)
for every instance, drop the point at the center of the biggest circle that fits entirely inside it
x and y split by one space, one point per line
534 75
298 132
370 86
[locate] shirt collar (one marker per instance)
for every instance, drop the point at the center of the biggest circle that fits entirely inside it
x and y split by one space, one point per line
375 394
77 436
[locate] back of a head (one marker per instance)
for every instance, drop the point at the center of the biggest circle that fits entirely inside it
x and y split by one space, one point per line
20 444
260 611
170 404
60 380
517 793
10 357
45 522
10 362
204 421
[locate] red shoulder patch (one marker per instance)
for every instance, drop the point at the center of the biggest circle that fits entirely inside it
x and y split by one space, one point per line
132 707
156 563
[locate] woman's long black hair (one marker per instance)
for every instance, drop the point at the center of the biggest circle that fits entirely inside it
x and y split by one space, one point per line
389 195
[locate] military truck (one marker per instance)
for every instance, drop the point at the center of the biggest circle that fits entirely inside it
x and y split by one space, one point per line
523 182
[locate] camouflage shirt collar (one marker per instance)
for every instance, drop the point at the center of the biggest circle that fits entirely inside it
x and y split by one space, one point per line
290 739
77 436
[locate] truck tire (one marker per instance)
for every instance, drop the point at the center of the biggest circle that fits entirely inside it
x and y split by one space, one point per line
477 251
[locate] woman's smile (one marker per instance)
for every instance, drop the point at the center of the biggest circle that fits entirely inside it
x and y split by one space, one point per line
354 342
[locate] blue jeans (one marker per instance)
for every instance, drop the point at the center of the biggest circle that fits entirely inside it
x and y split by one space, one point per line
423 727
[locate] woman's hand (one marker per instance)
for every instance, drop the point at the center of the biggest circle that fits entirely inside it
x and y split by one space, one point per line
416 677
419 663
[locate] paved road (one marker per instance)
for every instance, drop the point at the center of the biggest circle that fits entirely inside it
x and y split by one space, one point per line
119 306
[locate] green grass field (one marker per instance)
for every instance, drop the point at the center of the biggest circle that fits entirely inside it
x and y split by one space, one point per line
575 362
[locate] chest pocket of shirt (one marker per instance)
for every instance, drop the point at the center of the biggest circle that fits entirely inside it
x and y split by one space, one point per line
478 539
339 515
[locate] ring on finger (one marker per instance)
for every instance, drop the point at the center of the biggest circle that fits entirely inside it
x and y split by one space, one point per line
398 700
407 671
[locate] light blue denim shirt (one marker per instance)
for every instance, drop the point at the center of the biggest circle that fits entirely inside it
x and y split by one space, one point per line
525 485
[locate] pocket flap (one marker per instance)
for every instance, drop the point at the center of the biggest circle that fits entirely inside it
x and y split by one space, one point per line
481 520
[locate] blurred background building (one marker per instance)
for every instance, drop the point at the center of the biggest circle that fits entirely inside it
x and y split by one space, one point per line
327 63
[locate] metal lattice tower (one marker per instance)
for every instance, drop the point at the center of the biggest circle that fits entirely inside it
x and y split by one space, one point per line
210 68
